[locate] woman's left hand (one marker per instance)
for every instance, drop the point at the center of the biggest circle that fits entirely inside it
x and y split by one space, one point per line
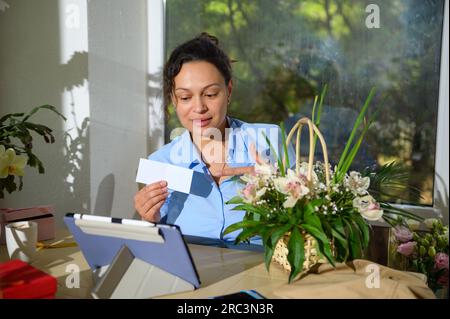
232 171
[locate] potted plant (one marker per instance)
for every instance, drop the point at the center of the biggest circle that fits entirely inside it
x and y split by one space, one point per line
16 147
314 214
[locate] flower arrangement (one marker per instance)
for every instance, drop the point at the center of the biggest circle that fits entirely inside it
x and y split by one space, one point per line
14 156
314 213
423 251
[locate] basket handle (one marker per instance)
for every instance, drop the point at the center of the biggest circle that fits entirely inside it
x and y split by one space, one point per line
312 129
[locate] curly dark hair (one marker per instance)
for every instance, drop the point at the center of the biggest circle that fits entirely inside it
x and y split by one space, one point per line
204 47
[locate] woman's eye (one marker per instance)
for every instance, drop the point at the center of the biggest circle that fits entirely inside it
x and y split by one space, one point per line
184 98
211 95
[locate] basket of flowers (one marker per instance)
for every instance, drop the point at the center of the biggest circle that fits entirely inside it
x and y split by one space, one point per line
310 213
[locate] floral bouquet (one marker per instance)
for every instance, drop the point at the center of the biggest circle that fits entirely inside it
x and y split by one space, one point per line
423 251
313 213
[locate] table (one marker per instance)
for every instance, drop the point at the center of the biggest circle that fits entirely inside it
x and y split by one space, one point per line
225 271
221 270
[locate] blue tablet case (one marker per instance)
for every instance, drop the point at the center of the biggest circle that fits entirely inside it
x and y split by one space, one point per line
171 255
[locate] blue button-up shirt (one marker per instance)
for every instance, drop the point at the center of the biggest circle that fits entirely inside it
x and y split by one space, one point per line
204 212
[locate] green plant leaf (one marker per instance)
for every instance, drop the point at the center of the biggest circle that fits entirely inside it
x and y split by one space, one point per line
235 200
399 211
278 233
342 241
277 158
310 217
364 229
252 209
7 116
296 255
354 241
285 146
358 121
319 112
239 225
322 240
36 109
247 233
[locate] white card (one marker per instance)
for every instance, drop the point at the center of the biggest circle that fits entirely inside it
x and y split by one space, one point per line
178 178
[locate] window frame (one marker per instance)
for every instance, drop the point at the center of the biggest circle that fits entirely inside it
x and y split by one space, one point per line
156 47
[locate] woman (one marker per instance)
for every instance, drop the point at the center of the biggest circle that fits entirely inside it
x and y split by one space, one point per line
198 81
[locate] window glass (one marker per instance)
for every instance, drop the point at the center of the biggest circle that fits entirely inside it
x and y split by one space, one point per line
287 50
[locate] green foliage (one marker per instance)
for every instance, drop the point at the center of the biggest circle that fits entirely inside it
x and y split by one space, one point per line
336 215
16 133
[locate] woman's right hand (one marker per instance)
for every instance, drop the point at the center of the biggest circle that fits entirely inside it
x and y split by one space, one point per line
148 200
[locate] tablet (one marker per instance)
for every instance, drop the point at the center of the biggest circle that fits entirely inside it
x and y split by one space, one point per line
102 239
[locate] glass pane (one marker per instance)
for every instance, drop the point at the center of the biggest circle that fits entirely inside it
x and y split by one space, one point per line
288 50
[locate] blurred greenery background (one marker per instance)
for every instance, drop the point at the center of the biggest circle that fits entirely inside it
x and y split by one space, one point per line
287 50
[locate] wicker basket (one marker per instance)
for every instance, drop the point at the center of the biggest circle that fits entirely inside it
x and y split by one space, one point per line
312 254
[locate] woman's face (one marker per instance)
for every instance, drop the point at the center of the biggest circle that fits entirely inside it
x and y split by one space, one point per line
201 97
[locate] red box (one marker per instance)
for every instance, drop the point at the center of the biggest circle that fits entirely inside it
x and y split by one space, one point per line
44 216
19 280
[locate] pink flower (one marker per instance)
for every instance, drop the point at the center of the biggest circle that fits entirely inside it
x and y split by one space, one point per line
406 249
403 234
441 261
251 194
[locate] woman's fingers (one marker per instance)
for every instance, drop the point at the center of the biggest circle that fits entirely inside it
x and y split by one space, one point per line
231 171
149 200
255 154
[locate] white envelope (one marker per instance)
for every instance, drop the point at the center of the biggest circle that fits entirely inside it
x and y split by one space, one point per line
178 178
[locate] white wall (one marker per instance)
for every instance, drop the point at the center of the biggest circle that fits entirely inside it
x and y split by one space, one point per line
88 59
117 80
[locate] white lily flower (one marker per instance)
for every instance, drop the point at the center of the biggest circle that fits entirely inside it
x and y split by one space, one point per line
368 207
293 186
251 194
358 185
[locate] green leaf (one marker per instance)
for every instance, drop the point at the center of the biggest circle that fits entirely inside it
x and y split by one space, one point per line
235 200
398 211
342 241
364 229
7 116
239 225
277 158
268 253
266 233
296 255
322 240
285 146
246 234
310 217
355 128
354 242
36 109
319 112
278 233
250 208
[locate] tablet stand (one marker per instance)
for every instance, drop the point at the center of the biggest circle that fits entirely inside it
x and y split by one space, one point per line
130 277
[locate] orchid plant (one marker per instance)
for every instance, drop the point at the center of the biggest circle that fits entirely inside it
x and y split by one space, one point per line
15 156
333 205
